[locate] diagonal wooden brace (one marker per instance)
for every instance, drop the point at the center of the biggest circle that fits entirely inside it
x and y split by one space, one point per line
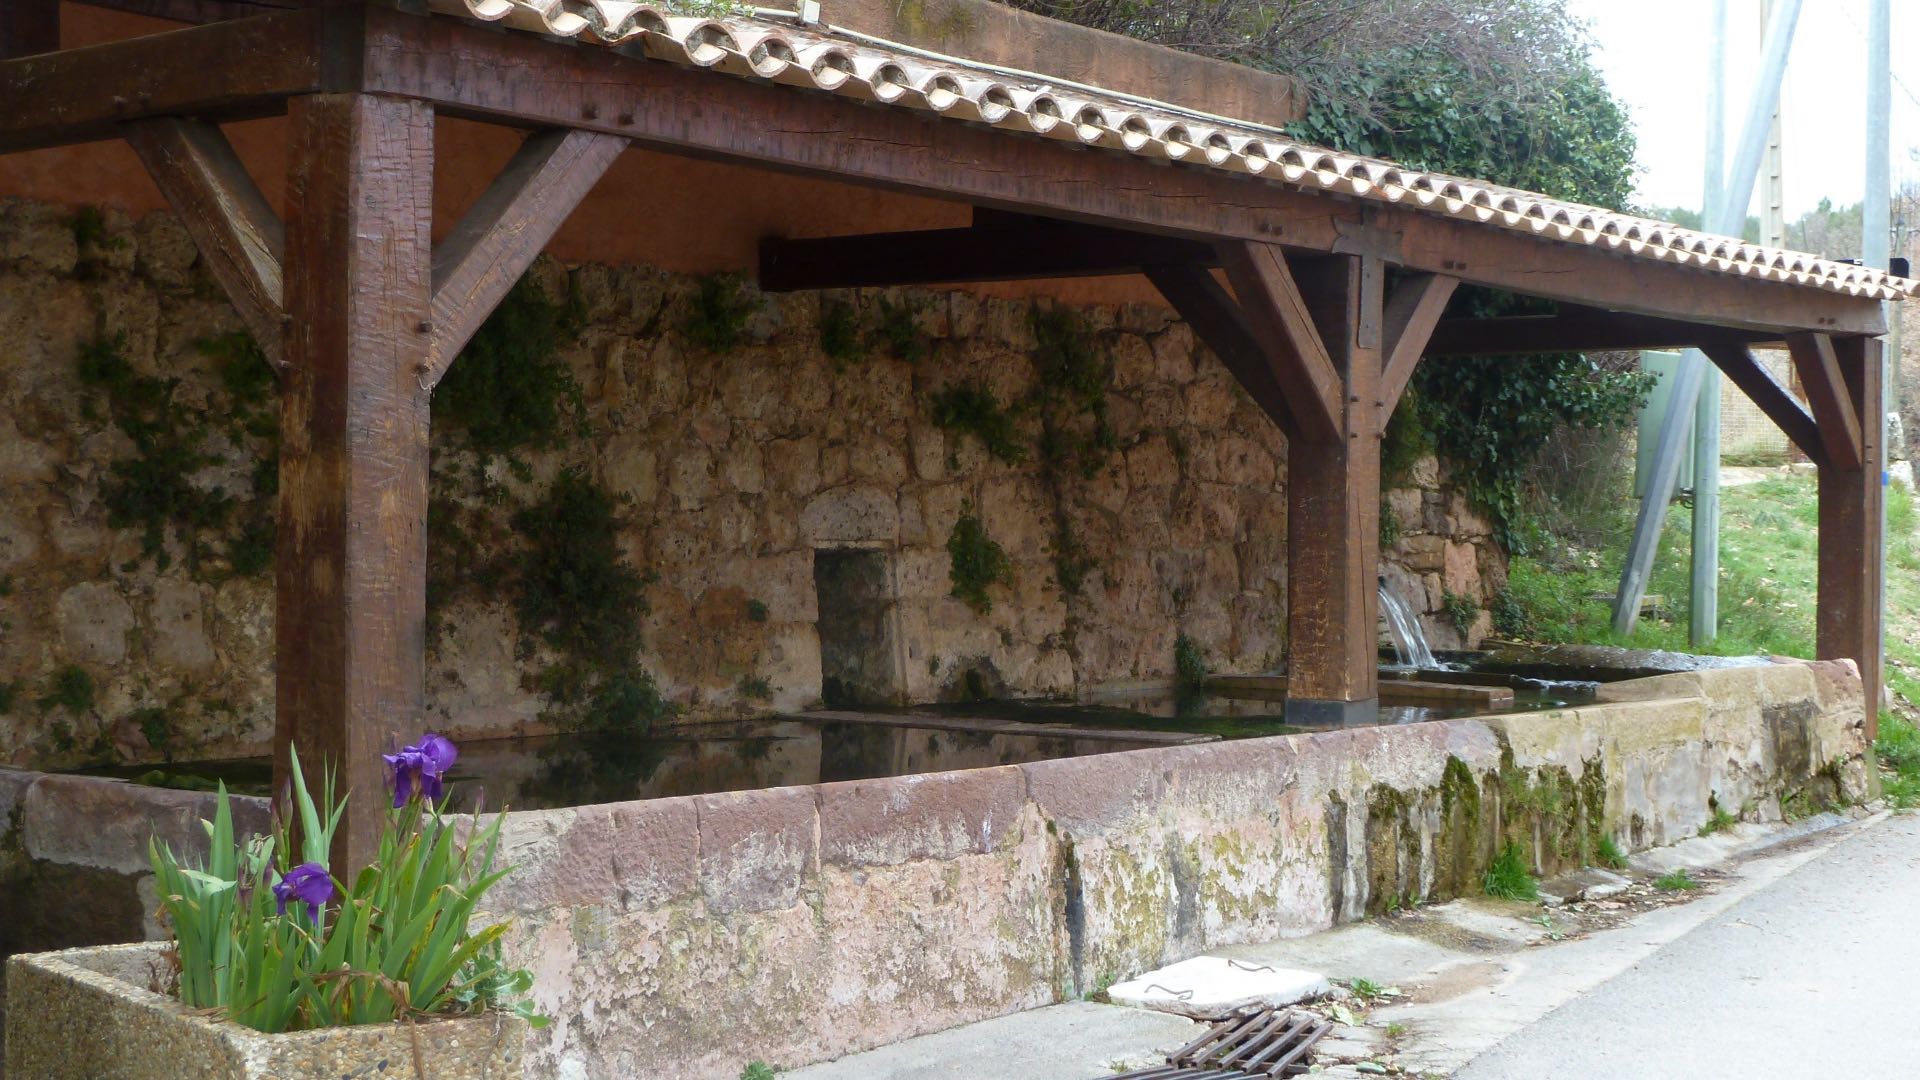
1412 312
239 236
1839 422
1286 333
475 265
1736 362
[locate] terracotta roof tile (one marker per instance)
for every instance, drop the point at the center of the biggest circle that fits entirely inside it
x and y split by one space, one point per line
815 58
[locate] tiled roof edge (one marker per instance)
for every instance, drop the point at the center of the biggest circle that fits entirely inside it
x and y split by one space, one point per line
814 58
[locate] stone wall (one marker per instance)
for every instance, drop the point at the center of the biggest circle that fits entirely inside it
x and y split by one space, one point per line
683 937
737 469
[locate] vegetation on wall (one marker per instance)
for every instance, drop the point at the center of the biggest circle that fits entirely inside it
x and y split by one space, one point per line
161 488
576 600
969 407
716 317
978 562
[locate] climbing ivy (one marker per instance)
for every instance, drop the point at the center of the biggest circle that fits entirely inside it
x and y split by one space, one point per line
1071 392
154 488
508 390
978 562
970 407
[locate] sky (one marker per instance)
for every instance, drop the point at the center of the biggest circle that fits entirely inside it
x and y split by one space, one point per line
1653 54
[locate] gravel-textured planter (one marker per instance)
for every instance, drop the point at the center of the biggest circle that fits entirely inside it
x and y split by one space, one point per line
89 1013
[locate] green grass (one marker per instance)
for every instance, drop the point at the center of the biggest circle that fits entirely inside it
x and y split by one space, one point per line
1899 751
1609 853
1508 877
1768 584
1720 821
1676 881
758 1070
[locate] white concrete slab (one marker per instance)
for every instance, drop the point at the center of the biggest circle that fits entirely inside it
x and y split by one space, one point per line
1076 1041
1212 987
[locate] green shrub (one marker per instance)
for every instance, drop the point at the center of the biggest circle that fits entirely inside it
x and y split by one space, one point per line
508 390
72 690
897 331
1461 611
840 333
1898 751
1609 853
758 1070
1508 877
978 562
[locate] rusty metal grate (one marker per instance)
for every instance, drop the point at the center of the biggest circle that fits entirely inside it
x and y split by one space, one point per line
1265 1044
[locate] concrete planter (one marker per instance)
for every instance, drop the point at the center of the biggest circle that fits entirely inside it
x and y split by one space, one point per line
88 1013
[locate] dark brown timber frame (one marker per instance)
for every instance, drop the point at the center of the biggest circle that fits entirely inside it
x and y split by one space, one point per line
365 316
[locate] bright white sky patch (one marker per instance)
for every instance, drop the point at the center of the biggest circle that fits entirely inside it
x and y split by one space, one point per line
1653 54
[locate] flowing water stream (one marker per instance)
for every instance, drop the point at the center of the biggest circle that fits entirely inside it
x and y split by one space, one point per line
1410 648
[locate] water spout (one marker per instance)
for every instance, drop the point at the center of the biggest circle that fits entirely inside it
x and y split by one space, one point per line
1410 648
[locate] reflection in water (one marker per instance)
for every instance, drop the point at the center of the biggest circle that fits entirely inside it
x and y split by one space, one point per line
580 770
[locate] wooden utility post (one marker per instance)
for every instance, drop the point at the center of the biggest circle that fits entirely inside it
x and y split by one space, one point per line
1852 511
350 606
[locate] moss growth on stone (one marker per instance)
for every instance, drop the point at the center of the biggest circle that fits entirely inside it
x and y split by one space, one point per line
1072 562
978 562
1189 664
1071 392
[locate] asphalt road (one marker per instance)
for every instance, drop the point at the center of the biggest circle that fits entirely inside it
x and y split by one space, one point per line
1816 975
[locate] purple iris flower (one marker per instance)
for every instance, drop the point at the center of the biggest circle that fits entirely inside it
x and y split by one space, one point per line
308 884
421 766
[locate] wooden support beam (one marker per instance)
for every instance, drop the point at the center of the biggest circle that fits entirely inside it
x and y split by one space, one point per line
1737 363
29 27
1581 329
1412 312
223 71
1818 364
1285 331
662 106
198 11
1018 250
505 230
1852 511
1216 319
1333 507
237 232
350 570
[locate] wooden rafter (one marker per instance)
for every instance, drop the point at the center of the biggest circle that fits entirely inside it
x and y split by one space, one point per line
1777 402
199 11
1413 310
1581 329
1002 248
1284 328
1827 392
475 265
236 230
1218 321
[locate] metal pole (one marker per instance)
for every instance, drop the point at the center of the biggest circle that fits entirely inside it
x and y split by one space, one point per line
1703 594
1738 193
1875 233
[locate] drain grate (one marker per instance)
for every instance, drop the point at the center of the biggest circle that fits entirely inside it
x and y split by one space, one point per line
1264 1044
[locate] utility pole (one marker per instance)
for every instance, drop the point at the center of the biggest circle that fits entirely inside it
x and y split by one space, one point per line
1703 594
1773 204
1875 228
1736 193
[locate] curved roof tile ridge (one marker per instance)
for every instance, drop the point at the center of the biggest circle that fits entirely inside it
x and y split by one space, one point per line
779 51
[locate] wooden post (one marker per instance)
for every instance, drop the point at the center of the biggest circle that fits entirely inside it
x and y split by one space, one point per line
350 611
1333 507
1852 505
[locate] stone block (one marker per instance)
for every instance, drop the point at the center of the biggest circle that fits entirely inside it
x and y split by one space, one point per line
1422 553
756 848
1105 790
894 820
177 616
13 791
852 513
1152 463
621 855
105 824
94 622
164 252
39 235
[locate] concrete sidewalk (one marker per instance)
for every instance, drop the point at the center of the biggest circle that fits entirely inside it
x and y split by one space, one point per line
1801 934
1810 976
